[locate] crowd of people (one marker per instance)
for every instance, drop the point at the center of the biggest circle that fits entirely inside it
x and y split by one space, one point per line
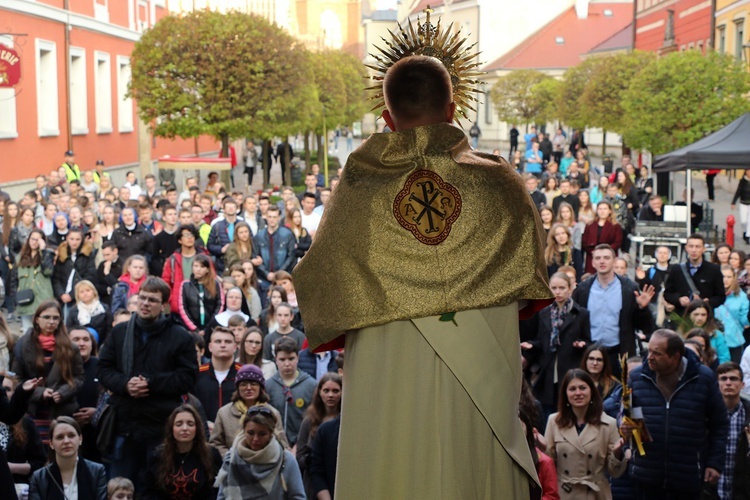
162 351
682 327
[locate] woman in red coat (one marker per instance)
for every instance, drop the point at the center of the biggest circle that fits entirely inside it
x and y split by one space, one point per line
604 229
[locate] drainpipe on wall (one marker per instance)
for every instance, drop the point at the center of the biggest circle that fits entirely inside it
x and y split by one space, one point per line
713 24
68 116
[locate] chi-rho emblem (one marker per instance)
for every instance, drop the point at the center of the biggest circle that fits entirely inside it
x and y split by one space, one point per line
427 206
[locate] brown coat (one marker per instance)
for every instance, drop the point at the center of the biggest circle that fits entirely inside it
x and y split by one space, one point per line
581 459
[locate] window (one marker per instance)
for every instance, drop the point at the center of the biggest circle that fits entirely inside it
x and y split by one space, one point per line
739 37
8 127
46 89
722 39
103 94
124 103
79 119
101 10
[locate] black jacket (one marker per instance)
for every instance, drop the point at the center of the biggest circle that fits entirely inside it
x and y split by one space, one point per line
101 322
632 317
708 280
137 241
10 412
92 482
105 283
84 267
689 432
743 192
208 391
570 199
648 215
538 198
166 358
303 243
577 326
323 459
190 305
162 246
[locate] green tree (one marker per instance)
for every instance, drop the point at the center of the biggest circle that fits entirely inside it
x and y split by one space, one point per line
212 73
603 92
683 97
569 103
546 93
518 99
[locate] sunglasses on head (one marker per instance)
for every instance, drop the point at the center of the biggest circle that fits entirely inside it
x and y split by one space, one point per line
263 410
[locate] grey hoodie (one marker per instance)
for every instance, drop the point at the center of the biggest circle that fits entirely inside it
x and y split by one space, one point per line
292 402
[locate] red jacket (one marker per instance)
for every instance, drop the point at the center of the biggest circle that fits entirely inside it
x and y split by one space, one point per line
611 234
172 274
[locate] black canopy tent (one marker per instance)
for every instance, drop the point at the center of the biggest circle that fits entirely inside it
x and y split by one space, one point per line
726 149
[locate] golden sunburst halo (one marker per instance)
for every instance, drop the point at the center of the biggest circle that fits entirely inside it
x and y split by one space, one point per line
428 39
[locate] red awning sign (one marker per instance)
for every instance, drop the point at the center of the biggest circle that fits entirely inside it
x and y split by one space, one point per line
10 67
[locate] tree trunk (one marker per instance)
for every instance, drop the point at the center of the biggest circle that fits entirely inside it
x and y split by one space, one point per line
286 160
225 175
321 151
266 163
604 144
307 151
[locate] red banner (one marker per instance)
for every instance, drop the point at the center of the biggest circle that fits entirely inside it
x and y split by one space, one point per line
10 67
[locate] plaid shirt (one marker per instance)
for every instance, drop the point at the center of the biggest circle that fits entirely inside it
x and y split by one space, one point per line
736 424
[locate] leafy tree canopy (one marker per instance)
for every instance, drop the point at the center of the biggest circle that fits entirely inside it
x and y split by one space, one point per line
213 73
518 97
683 97
571 109
602 94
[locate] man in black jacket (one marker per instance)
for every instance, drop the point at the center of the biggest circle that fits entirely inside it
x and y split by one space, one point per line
147 363
743 195
532 185
108 272
653 211
706 282
165 242
617 308
566 197
215 383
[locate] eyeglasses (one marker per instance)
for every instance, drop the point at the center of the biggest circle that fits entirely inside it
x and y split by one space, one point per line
253 342
595 360
150 300
264 410
50 318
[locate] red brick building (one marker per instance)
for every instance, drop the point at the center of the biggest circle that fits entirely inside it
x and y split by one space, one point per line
75 65
664 26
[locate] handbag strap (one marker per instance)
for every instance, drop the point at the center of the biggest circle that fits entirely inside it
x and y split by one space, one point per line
127 347
689 279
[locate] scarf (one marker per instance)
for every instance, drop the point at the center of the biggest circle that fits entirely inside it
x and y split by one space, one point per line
557 317
88 311
223 318
250 475
48 342
148 328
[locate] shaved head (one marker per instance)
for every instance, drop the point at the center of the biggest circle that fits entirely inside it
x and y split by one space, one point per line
417 91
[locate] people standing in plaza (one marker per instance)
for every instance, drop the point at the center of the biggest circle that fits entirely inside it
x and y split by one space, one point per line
686 418
694 279
68 475
31 279
45 351
617 307
148 363
583 440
